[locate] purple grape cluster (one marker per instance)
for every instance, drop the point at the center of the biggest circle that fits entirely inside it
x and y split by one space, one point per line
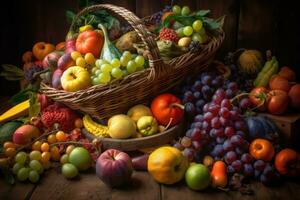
265 172
156 17
28 75
199 92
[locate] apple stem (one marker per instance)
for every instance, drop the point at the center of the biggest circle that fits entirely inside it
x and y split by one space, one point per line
169 124
178 105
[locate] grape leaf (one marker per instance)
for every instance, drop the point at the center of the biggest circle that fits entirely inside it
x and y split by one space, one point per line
203 13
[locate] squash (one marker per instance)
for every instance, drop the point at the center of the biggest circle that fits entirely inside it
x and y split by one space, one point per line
251 61
262 127
17 111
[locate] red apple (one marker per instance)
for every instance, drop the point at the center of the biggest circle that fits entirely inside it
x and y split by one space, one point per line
114 167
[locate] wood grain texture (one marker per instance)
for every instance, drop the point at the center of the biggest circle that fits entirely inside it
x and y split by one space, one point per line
89 186
231 10
257 27
16 191
128 4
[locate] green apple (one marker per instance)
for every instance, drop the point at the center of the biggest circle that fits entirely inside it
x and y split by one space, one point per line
197 177
80 158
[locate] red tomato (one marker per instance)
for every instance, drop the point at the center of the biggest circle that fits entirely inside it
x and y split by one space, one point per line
258 97
278 102
90 42
166 107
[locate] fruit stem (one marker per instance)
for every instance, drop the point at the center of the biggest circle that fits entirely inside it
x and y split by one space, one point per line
177 105
238 96
168 125
36 139
69 142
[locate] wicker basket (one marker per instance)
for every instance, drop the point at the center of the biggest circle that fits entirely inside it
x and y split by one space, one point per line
103 101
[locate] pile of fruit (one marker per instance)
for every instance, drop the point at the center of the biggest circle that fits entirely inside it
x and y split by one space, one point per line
100 53
225 141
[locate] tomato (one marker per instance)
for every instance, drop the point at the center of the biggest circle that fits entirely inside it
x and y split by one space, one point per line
167 108
89 42
258 97
278 101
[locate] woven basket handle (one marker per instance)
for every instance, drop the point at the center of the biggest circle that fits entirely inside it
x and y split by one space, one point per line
137 25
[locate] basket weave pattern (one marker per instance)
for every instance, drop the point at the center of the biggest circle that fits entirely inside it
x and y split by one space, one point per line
103 101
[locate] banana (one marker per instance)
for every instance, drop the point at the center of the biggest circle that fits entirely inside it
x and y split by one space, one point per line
94 128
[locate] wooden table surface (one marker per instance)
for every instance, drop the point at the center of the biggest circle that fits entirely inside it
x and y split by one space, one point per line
87 186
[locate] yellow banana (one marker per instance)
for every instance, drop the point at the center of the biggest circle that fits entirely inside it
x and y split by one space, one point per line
94 128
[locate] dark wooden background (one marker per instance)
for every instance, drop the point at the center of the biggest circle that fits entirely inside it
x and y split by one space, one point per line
259 24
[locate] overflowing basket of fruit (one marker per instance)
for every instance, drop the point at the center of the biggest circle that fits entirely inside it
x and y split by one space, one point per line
101 78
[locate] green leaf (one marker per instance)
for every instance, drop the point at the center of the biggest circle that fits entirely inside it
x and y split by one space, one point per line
23 94
213 24
35 106
203 13
70 16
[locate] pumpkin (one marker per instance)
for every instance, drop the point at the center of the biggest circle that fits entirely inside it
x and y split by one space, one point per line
287 73
262 127
279 83
294 95
41 49
261 149
251 61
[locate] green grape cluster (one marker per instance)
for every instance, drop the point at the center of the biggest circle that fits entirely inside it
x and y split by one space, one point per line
28 167
105 71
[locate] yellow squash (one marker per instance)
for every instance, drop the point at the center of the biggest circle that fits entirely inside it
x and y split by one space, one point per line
17 111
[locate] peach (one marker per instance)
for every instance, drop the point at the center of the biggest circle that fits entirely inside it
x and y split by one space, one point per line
25 134
294 95
279 83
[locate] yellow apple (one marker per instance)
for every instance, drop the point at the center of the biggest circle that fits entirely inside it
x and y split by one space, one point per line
138 111
75 78
121 127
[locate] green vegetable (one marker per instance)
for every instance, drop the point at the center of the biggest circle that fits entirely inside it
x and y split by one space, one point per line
109 50
7 130
264 76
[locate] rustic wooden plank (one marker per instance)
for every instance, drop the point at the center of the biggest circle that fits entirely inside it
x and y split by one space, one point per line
257 27
143 187
287 16
16 191
181 191
231 10
288 190
145 8
88 186
128 4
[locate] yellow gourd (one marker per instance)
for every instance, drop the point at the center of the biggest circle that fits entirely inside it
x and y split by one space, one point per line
17 111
